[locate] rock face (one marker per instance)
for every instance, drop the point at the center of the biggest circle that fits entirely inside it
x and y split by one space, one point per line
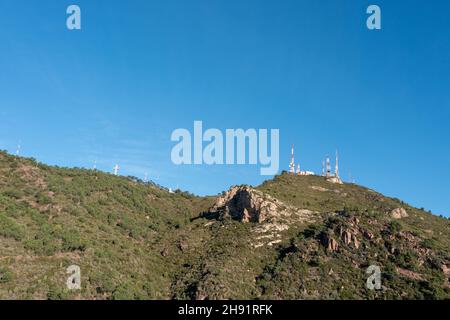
399 213
349 237
271 216
247 205
329 242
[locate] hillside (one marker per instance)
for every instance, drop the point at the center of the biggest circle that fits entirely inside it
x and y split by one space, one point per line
293 237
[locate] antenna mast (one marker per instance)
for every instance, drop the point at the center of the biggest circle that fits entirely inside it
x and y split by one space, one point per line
292 164
328 167
336 169
18 149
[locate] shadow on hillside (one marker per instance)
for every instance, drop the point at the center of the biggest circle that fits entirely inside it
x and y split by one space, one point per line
207 215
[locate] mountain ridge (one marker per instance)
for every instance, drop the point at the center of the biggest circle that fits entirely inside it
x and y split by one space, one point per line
139 241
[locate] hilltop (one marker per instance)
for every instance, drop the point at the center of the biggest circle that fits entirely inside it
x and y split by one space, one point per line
293 237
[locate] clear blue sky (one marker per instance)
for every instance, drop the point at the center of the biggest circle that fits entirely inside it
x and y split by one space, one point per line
114 91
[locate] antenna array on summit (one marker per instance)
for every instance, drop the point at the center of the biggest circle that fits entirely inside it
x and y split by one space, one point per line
298 172
326 168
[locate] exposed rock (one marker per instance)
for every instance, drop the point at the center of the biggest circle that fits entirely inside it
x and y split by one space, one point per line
349 236
336 180
445 269
346 237
271 227
201 295
183 245
317 188
329 242
409 274
368 235
399 213
356 243
333 245
271 243
246 204
165 252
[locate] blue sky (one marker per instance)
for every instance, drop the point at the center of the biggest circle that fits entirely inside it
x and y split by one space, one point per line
114 91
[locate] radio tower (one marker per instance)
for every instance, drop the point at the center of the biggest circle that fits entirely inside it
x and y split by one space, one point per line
116 169
292 164
298 172
328 167
18 149
336 168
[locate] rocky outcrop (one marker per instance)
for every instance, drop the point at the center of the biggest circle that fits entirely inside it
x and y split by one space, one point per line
249 205
348 236
329 242
272 216
399 213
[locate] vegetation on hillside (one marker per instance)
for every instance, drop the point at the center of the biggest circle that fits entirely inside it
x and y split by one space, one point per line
135 240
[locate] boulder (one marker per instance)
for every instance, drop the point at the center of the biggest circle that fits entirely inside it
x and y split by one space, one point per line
399 213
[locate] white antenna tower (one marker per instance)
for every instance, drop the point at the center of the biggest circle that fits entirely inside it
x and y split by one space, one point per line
328 167
145 177
95 165
350 177
18 149
116 169
292 164
336 168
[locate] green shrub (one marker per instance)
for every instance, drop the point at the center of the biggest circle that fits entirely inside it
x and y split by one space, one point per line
43 199
9 228
395 227
124 292
56 292
5 275
72 241
14 193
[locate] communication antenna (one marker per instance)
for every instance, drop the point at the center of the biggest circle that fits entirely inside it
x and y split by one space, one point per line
292 164
116 169
336 168
352 180
145 177
95 165
328 167
18 149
